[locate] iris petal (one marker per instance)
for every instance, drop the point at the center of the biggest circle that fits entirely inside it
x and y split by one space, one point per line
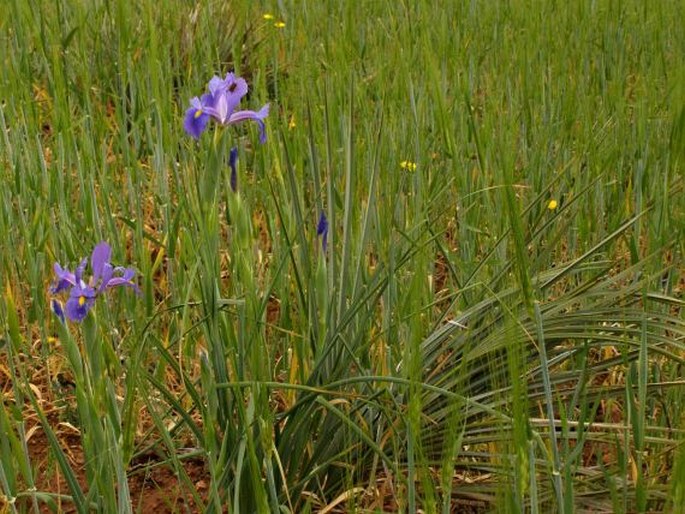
81 300
77 310
193 124
125 279
216 84
107 273
78 275
65 278
258 116
100 257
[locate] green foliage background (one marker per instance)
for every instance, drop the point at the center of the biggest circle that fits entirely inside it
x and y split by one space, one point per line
459 344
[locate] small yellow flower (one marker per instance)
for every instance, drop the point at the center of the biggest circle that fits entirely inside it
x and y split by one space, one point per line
408 165
279 24
553 204
291 123
268 16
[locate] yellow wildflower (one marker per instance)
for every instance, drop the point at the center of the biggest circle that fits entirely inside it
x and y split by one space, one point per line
279 24
553 204
268 16
408 165
291 123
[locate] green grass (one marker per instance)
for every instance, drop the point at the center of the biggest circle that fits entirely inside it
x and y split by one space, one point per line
459 344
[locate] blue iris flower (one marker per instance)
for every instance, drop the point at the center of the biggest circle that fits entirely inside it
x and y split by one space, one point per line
220 104
82 294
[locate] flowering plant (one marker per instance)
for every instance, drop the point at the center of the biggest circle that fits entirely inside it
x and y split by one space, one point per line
219 104
82 294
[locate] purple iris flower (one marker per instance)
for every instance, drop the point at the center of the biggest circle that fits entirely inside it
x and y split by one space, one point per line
234 173
322 231
82 295
220 104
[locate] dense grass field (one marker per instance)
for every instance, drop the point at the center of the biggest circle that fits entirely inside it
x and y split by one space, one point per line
450 280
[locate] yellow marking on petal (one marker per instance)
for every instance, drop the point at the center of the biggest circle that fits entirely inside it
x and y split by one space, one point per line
279 24
81 301
198 113
268 16
553 204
